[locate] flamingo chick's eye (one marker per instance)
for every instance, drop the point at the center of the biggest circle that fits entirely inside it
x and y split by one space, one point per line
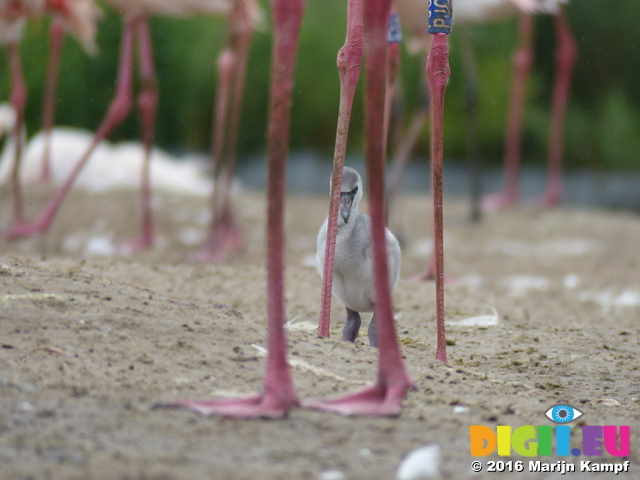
563 413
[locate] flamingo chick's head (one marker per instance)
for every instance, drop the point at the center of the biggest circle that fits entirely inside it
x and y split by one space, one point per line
350 194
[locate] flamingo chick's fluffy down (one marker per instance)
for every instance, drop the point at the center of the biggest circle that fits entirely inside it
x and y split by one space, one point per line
353 281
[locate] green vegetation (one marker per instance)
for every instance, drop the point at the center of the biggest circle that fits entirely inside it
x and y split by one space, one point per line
603 117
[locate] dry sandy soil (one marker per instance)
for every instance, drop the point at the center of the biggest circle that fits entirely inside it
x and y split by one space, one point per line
88 343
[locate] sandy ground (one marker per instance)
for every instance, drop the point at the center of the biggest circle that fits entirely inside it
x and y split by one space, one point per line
88 342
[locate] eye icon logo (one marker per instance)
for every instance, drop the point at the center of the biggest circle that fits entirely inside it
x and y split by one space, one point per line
563 413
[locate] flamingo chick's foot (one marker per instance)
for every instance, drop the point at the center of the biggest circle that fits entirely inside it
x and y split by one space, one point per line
378 400
269 406
498 201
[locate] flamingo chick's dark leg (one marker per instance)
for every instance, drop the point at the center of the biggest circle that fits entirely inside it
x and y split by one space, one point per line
385 397
278 395
522 61
566 55
56 38
351 326
148 106
118 110
349 64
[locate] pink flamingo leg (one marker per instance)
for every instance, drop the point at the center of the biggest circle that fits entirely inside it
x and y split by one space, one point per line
405 147
278 395
18 99
147 105
242 32
225 234
225 67
349 65
385 397
400 158
212 249
566 55
438 74
118 110
522 61
397 173
56 37
431 272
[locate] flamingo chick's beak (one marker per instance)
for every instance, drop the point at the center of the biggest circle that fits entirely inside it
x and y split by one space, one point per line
346 201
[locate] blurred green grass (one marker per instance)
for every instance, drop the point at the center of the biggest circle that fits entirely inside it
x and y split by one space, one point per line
603 120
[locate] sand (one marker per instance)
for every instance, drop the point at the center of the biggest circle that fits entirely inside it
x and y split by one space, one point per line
545 309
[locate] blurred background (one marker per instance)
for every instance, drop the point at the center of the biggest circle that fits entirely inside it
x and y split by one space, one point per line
603 119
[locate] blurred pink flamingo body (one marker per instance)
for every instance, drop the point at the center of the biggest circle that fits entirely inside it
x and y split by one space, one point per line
135 14
413 15
78 17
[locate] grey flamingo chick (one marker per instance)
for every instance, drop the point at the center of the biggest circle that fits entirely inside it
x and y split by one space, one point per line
353 262
384 397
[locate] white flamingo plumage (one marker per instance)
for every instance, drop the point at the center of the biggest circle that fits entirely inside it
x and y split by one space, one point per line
113 166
